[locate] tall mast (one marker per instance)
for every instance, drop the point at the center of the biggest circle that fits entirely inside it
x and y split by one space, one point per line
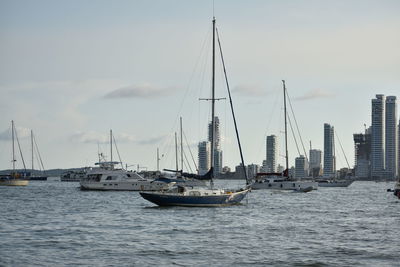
13 149
213 101
111 144
181 146
286 144
32 147
176 153
158 159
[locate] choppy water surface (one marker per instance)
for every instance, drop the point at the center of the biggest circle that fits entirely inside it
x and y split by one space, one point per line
56 224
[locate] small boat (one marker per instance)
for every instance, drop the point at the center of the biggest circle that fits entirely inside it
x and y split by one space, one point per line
304 190
278 181
14 178
176 195
73 175
335 183
282 181
396 190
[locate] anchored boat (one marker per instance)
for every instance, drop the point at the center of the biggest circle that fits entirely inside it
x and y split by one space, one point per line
176 195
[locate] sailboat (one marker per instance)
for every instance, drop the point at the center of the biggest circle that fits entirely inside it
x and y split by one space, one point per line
34 148
282 181
177 195
14 178
179 176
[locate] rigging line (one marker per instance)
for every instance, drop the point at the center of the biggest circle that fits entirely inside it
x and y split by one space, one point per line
344 154
233 113
294 136
19 147
190 151
187 163
38 153
116 148
297 127
190 80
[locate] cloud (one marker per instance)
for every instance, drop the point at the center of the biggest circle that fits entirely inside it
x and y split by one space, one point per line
20 131
89 138
92 137
151 140
315 93
250 90
140 91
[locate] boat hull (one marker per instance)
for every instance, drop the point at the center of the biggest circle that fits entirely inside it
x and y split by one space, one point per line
285 185
344 183
38 178
14 182
122 185
165 199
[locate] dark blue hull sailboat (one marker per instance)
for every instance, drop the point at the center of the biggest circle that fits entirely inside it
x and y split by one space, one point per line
200 197
178 195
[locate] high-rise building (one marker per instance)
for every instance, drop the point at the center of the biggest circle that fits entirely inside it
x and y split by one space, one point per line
217 135
300 169
391 137
362 154
252 170
329 151
204 157
398 152
217 145
272 153
315 162
378 136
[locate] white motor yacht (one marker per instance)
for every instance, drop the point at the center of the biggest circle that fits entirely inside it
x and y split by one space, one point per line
277 182
106 177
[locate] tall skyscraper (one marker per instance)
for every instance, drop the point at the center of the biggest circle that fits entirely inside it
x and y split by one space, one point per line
204 157
300 169
362 153
391 136
217 135
272 153
329 151
315 162
378 136
217 145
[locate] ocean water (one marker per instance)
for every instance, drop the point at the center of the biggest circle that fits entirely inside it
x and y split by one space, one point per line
56 224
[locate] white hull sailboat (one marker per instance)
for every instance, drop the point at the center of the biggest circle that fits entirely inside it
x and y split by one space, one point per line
14 178
282 181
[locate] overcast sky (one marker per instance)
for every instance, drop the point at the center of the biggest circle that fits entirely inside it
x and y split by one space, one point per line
73 70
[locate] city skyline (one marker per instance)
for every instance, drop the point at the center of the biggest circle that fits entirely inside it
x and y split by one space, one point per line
71 71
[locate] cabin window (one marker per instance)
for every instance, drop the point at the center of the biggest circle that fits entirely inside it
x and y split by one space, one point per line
128 175
281 185
269 185
294 185
109 178
105 184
